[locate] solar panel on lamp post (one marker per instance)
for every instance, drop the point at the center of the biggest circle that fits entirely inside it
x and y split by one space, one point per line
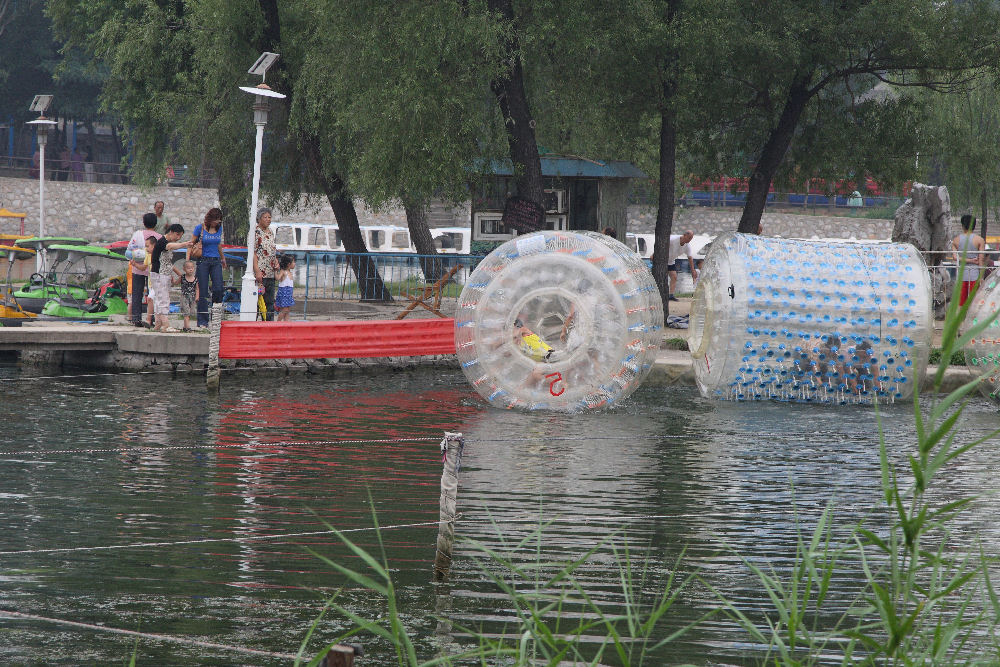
261 106
42 126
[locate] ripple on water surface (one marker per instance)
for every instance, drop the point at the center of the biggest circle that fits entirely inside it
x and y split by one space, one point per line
136 459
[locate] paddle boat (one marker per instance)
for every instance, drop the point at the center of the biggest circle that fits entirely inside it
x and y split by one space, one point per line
42 287
10 312
96 277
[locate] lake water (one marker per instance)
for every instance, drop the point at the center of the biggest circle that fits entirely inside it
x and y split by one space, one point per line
665 472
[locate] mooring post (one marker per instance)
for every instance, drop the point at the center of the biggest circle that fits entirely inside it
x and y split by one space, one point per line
215 330
342 655
451 457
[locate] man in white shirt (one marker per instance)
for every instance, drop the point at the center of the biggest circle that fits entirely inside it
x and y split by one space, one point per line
678 241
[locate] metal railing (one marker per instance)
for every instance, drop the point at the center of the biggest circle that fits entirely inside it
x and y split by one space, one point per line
99 172
331 275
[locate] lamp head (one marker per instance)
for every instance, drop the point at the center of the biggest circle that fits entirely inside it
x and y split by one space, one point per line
42 126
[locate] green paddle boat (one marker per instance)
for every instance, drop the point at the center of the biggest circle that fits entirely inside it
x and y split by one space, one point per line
42 287
95 277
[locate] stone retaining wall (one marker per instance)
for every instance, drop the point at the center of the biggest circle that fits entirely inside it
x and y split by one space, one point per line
712 221
105 212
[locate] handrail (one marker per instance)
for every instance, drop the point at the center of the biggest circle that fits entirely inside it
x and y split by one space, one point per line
99 172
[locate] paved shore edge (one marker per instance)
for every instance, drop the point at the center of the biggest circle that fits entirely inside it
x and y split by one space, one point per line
123 348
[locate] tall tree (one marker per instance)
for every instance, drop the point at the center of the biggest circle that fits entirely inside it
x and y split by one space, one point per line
178 94
961 135
799 63
642 80
396 91
512 99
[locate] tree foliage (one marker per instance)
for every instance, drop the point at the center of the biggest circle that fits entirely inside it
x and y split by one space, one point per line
804 71
33 61
961 141
402 101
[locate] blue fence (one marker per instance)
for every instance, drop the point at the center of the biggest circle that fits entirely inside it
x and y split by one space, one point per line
723 198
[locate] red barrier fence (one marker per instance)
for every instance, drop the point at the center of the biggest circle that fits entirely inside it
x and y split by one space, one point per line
336 340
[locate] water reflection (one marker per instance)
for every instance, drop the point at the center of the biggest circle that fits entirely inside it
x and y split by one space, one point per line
665 472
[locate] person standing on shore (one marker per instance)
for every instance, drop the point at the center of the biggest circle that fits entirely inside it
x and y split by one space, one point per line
970 246
162 221
189 294
265 259
161 275
140 274
211 264
285 299
678 241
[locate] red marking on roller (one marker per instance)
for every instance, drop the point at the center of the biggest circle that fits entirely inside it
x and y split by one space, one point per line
336 340
552 385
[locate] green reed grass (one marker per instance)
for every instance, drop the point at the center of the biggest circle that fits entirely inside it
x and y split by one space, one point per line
557 619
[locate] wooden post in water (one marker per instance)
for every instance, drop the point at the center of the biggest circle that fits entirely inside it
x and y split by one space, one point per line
342 655
215 330
451 451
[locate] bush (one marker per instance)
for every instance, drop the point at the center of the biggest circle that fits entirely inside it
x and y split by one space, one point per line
957 357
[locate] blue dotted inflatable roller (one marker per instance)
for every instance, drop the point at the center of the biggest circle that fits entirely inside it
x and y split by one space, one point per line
811 321
563 321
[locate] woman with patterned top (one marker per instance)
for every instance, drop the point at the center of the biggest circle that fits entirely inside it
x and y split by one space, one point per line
265 259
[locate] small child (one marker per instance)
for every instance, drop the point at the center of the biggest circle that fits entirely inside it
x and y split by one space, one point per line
284 300
189 294
148 263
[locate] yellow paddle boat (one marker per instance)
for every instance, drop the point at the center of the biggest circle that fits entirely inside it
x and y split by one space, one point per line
9 309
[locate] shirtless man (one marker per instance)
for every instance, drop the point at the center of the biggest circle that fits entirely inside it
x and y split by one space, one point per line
676 243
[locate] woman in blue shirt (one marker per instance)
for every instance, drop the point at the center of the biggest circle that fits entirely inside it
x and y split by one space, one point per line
211 263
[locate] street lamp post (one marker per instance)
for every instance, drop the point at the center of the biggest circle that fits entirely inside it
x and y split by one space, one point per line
42 126
261 106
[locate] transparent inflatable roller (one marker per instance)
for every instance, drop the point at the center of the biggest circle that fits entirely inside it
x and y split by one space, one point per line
982 354
810 321
563 321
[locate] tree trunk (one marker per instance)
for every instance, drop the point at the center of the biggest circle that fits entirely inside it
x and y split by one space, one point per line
370 281
773 153
667 175
91 140
234 204
665 208
420 234
513 102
